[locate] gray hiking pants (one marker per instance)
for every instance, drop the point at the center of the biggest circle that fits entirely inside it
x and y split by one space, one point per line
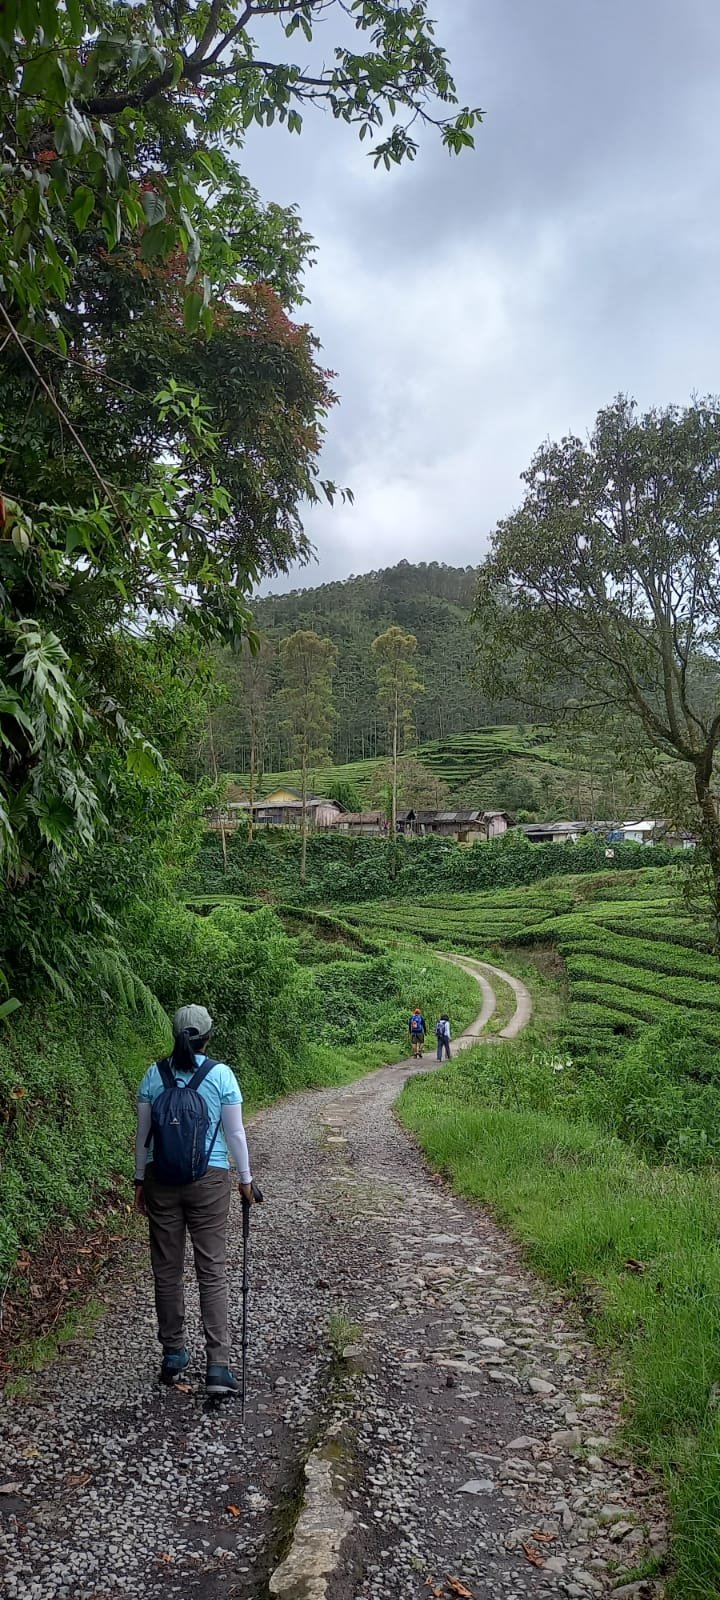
202 1210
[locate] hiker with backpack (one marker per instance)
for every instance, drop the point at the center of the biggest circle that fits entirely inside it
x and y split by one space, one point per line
189 1121
442 1034
417 1033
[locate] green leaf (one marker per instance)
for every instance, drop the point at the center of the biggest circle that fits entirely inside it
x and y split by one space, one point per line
82 206
42 76
193 260
111 224
113 162
143 761
192 310
7 1007
77 538
55 820
70 134
157 241
50 16
75 18
154 207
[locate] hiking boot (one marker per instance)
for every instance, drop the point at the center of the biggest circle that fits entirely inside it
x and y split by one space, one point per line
219 1380
173 1366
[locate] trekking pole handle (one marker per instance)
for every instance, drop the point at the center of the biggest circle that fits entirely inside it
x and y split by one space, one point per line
258 1197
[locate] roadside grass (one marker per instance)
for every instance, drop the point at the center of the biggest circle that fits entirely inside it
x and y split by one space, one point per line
506 1003
31 1355
583 1205
545 980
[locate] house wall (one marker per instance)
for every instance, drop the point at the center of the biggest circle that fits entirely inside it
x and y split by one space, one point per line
325 816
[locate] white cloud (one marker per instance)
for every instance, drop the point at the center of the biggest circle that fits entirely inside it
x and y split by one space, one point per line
474 307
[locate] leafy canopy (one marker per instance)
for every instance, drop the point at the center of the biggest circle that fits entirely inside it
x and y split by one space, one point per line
96 98
308 663
397 679
607 580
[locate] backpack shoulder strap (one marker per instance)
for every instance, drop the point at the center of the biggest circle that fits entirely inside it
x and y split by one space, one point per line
197 1078
201 1073
168 1082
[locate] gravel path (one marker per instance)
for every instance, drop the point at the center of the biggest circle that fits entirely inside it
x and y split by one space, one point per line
468 1431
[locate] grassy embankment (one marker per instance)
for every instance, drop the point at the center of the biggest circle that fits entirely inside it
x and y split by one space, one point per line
561 1134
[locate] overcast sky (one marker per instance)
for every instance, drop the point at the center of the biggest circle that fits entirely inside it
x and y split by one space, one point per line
474 305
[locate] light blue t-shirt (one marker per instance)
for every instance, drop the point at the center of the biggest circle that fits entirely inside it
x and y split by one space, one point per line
220 1088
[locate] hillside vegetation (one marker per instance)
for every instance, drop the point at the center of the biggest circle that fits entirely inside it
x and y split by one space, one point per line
343 868
505 766
632 956
474 745
68 1081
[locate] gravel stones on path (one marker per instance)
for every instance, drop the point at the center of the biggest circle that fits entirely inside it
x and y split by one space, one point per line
476 1436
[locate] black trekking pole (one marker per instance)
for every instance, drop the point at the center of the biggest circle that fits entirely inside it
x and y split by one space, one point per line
258 1198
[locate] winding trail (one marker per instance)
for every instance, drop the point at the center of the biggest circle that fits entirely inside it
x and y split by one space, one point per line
523 1000
456 1423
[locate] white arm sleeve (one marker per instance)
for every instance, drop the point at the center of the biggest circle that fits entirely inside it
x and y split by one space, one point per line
144 1111
232 1123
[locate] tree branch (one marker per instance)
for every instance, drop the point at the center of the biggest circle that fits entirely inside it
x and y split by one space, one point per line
62 415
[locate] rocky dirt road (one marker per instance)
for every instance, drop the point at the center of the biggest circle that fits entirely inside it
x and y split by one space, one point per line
459 1433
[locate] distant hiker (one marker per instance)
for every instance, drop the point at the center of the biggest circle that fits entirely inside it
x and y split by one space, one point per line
189 1115
417 1033
442 1034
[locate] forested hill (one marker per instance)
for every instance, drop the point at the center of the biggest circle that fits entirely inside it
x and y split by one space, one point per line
432 601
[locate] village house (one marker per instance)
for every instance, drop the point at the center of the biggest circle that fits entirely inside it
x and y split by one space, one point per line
649 831
555 832
362 823
654 830
281 809
644 832
466 827
496 823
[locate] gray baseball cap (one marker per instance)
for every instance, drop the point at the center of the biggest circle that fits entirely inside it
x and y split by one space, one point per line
195 1019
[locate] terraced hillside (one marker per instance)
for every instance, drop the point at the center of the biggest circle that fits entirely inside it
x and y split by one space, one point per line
475 765
632 955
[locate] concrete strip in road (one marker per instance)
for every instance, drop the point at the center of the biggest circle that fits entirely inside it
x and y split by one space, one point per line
523 1000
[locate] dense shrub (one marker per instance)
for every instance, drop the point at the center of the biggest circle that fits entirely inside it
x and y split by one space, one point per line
242 966
342 869
67 1089
372 999
662 1094
659 1092
69 1074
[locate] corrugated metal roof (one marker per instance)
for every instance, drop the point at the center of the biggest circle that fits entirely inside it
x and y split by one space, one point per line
456 816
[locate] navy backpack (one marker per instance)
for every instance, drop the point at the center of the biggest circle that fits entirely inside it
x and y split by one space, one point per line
179 1127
